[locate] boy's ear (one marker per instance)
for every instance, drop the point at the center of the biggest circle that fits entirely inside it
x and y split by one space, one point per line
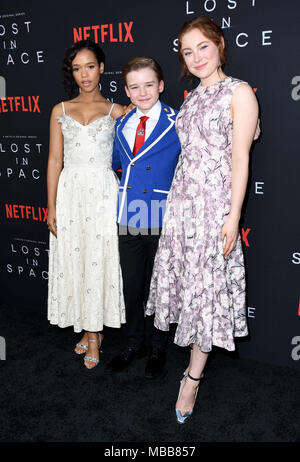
161 86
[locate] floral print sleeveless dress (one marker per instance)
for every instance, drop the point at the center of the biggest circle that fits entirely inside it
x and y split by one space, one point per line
192 284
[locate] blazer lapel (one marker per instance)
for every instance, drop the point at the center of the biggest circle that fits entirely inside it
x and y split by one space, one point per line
162 124
122 138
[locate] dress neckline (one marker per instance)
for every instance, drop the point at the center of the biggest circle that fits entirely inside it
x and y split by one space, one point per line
93 121
211 88
214 84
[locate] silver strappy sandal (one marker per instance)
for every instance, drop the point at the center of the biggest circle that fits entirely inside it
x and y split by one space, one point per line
91 358
83 347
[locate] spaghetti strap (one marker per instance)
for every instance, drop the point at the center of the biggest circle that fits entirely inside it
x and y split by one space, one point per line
111 108
63 107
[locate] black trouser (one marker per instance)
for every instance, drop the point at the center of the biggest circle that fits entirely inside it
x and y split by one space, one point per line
137 253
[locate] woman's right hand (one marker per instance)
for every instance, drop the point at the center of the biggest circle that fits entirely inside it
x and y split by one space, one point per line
51 221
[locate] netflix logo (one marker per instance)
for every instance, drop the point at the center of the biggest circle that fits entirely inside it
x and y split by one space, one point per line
101 33
19 104
26 212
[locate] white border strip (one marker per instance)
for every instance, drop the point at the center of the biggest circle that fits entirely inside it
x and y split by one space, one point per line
161 191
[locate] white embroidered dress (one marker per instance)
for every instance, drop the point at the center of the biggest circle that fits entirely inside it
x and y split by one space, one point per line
85 282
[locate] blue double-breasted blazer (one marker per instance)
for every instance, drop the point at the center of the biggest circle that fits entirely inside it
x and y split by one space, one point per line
147 176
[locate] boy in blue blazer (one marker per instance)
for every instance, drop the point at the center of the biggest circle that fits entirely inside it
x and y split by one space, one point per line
146 147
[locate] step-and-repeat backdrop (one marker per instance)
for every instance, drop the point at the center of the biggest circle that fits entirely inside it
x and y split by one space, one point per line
263 49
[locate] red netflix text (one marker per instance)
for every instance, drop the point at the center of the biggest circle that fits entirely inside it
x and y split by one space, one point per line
26 212
120 32
245 233
19 103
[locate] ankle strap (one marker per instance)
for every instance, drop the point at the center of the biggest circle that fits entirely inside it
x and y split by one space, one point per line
193 378
99 339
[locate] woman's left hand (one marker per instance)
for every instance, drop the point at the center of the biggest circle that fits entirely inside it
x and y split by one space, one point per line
230 232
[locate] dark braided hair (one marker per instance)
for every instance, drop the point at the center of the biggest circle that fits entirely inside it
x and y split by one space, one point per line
69 82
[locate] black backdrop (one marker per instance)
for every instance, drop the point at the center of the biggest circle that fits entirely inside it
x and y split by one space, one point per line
263 49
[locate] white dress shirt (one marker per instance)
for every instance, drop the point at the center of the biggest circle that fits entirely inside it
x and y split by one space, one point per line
129 130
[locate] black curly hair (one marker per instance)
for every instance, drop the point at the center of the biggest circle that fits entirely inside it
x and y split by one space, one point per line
69 82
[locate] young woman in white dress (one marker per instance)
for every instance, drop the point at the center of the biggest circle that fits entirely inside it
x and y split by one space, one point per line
85 282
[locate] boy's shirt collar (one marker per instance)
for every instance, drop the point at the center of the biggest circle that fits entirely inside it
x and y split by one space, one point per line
153 113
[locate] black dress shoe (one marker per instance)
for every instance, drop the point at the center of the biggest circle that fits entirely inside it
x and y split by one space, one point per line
120 362
155 365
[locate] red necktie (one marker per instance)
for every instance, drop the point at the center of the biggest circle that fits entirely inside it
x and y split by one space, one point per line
140 135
